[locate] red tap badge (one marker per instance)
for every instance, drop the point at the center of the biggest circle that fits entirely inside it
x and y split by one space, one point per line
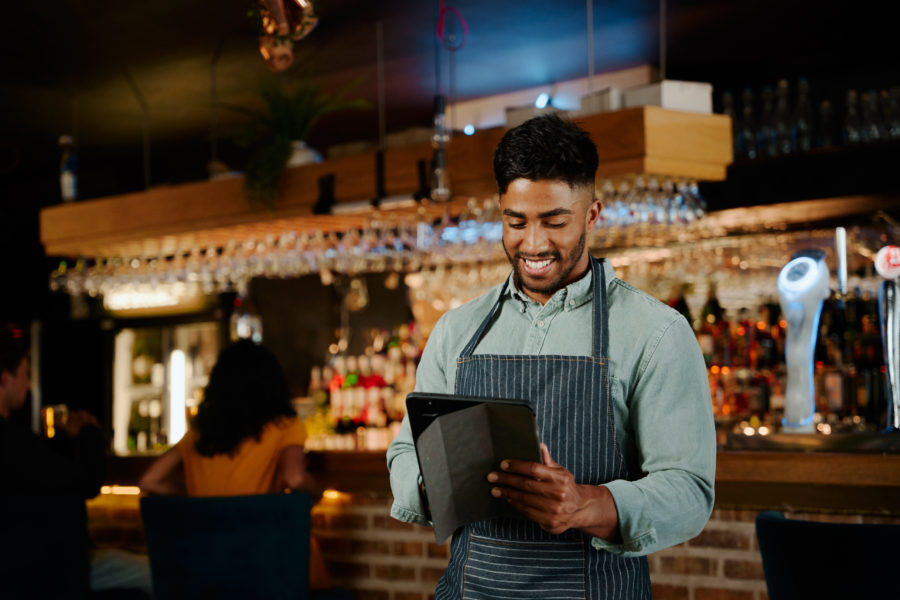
887 262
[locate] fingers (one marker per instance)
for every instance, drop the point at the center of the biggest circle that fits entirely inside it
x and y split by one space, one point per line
549 515
519 482
545 455
530 469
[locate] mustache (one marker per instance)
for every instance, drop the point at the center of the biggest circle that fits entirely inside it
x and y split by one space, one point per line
539 255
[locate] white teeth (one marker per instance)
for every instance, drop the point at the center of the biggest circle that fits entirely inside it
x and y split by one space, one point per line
536 264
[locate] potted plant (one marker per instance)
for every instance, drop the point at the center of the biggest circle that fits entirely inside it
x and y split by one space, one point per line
276 134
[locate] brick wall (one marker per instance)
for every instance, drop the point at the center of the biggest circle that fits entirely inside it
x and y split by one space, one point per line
378 557
382 559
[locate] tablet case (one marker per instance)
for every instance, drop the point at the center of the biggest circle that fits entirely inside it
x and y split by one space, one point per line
459 440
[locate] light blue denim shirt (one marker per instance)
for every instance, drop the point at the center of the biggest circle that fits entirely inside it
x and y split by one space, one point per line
660 395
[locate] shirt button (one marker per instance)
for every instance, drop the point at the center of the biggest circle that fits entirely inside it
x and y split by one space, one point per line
540 323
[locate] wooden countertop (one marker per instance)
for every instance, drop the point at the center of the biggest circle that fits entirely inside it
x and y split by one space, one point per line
794 481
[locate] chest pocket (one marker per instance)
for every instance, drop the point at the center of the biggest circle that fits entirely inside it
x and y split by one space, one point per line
518 570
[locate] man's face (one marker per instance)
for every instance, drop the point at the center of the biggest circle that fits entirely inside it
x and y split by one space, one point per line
15 385
545 225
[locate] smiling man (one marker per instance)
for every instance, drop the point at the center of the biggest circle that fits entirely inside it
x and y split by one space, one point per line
616 381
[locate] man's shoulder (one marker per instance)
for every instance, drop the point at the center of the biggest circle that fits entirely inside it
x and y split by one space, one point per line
630 304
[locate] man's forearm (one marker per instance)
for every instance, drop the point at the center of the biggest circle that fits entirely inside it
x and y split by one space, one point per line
600 514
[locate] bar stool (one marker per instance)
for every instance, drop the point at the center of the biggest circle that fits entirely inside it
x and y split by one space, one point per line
809 559
239 547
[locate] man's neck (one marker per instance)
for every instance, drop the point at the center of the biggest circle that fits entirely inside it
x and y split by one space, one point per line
543 298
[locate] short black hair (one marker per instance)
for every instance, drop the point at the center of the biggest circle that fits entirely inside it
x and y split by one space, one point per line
546 148
13 347
246 391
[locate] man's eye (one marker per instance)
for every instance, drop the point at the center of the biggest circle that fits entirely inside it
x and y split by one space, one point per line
515 225
555 224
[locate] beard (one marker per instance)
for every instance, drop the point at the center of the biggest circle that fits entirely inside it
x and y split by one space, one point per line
567 264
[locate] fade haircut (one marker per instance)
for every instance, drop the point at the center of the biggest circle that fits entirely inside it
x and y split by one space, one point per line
546 148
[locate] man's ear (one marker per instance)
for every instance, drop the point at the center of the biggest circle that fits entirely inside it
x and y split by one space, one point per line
593 212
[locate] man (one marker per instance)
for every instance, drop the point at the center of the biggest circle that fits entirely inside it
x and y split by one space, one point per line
615 378
28 464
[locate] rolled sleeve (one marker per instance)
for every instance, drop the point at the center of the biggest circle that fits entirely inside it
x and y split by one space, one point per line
404 470
401 455
671 415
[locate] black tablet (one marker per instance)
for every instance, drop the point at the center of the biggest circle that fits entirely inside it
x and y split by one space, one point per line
459 440
423 408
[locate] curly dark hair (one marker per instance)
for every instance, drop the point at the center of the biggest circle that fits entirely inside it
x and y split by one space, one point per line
247 389
13 347
546 148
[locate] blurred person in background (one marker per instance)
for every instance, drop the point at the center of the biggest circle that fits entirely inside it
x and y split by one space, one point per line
72 464
245 439
68 464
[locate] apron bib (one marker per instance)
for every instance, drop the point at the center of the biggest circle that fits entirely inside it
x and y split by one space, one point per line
512 557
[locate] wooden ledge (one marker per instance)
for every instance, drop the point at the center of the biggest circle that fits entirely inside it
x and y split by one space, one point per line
165 220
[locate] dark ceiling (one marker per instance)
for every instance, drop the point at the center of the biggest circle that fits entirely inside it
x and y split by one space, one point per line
78 65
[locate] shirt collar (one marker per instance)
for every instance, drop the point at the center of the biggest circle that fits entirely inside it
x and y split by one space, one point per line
572 296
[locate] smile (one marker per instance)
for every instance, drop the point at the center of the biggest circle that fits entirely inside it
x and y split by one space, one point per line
537 267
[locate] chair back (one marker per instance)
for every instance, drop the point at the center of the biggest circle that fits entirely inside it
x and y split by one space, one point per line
229 547
809 559
43 547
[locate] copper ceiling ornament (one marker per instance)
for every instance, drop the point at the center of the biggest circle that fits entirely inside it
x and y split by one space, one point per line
284 22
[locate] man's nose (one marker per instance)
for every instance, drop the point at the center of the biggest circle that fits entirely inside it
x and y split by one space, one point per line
535 240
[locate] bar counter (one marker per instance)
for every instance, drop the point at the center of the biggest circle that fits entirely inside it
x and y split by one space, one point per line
380 558
780 480
862 482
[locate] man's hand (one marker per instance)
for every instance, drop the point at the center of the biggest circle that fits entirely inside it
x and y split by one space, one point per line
548 495
76 420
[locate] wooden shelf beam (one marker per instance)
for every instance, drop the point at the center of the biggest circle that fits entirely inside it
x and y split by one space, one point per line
164 220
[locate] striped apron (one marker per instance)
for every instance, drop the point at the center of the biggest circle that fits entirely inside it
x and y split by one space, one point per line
512 557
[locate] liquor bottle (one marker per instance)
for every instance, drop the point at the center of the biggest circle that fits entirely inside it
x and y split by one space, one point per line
767 136
712 311
748 134
68 169
781 120
852 125
825 137
801 129
351 407
335 389
375 386
871 124
890 108
318 390
729 111
677 301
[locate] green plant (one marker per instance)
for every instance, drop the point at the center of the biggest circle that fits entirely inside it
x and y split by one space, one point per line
292 108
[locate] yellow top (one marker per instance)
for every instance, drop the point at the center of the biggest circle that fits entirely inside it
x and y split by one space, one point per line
252 469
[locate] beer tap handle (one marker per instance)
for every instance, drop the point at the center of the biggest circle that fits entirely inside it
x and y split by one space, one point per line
840 250
887 263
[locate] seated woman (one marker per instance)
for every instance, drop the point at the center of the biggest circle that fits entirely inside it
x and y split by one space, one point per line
245 439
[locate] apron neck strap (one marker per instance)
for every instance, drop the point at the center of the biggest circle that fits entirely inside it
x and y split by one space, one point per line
600 314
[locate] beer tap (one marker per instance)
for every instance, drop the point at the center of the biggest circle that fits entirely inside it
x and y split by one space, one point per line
802 288
887 263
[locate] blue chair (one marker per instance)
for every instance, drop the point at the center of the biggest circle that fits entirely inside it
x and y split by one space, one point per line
809 559
240 547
